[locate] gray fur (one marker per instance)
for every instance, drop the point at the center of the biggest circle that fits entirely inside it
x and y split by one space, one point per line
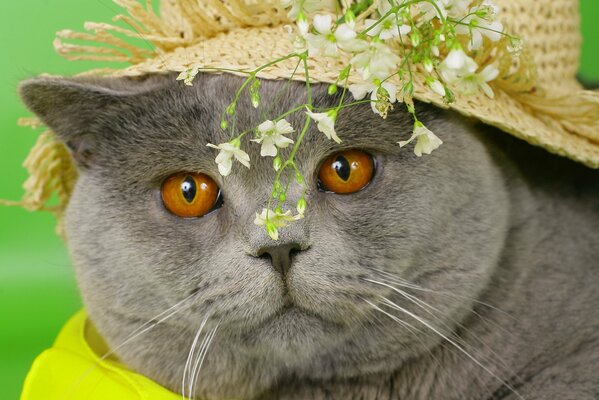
485 217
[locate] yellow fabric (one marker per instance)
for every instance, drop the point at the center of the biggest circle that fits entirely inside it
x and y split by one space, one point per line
72 369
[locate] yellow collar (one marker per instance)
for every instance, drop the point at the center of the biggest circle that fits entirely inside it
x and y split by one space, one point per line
71 369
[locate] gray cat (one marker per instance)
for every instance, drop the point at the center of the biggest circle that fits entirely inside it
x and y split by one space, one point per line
471 273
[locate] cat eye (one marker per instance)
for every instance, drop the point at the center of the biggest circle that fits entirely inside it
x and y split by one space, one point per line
346 172
190 195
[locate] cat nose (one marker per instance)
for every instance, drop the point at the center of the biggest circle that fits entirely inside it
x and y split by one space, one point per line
281 256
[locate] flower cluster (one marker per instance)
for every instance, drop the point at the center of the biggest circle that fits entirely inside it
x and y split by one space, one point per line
390 46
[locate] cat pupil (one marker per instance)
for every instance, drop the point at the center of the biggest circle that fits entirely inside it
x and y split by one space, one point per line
188 187
342 167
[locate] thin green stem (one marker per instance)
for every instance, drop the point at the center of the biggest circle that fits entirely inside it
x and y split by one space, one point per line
291 160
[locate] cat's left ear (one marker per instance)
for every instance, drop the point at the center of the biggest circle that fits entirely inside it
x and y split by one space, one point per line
78 109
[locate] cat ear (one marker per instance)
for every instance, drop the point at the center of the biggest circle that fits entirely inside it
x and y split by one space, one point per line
78 109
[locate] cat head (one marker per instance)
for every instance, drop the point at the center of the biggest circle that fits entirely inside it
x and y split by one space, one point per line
438 222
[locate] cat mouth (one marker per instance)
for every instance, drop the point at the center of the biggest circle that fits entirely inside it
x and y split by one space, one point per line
290 326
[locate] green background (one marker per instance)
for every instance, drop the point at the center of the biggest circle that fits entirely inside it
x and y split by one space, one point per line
37 289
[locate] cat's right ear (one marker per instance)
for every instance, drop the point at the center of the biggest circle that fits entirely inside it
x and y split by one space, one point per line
73 109
79 110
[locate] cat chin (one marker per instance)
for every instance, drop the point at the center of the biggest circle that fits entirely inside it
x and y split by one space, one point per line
293 331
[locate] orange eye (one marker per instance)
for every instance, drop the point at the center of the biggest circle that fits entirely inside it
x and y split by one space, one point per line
189 195
346 172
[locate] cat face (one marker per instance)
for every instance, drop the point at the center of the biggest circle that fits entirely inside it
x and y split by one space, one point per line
436 221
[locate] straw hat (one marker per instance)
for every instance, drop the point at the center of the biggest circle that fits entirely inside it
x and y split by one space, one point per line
537 99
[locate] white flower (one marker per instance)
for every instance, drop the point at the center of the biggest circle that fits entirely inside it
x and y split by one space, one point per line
457 60
277 217
271 136
478 26
359 91
457 8
378 61
224 159
436 86
460 71
188 76
443 8
274 219
387 28
327 42
303 26
325 123
426 141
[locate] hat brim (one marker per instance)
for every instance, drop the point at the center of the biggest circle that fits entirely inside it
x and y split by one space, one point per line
249 48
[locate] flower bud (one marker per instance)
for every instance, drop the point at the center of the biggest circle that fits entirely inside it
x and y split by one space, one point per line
415 38
272 231
332 89
428 65
301 206
350 17
277 163
255 97
449 96
344 73
230 110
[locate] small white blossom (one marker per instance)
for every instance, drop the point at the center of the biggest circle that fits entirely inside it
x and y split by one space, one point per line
387 28
325 123
515 47
378 61
388 94
436 86
271 136
228 151
443 8
428 64
478 26
303 26
188 76
459 70
329 42
426 141
274 219
457 60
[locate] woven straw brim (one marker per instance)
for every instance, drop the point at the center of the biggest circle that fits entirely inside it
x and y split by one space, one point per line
522 115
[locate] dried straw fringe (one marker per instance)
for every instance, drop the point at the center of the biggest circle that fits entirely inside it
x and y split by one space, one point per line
183 23
52 176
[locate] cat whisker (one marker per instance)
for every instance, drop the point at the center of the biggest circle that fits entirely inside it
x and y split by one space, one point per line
190 357
391 304
427 308
403 323
144 328
157 320
200 360
404 283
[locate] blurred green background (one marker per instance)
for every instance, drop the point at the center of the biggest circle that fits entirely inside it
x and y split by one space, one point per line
37 289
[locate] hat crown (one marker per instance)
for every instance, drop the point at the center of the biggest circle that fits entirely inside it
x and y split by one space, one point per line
550 29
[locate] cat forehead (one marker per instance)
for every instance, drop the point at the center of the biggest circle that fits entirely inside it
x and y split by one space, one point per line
147 127
175 114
